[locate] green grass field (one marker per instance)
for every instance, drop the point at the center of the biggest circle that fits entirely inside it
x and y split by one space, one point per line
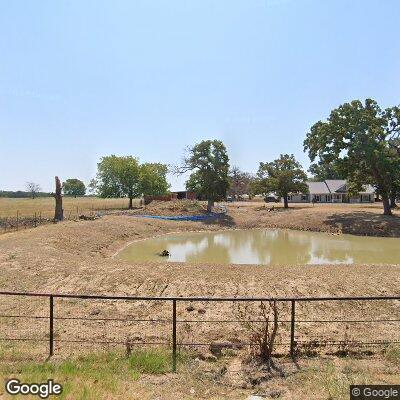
45 205
93 376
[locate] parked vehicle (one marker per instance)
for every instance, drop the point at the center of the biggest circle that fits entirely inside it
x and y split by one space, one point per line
271 198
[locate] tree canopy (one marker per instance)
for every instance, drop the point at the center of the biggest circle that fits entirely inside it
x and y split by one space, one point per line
153 179
74 187
209 163
240 183
282 176
325 169
363 140
125 177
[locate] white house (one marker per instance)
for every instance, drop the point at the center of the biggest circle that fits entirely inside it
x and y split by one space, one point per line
332 191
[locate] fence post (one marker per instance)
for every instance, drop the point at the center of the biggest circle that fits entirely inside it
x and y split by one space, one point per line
292 327
173 335
17 219
51 327
34 220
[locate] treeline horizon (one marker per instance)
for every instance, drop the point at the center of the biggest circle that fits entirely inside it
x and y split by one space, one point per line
23 194
358 141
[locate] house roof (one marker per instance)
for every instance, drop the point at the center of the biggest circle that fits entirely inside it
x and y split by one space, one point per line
368 189
336 185
318 188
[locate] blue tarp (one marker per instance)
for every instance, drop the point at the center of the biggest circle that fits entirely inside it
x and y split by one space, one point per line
182 217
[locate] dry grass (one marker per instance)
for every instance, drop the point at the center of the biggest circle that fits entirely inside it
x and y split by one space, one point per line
146 375
45 205
75 257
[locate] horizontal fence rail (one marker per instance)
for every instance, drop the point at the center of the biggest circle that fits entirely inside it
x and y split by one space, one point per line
292 322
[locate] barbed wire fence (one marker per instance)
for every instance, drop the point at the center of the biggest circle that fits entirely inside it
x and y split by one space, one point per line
24 220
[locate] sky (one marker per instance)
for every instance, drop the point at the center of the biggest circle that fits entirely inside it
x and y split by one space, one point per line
81 79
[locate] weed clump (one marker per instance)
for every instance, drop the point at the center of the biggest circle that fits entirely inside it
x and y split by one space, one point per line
151 361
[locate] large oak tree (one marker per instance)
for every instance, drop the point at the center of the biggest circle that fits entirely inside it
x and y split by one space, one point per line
282 176
325 169
361 138
153 179
209 163
74 187
125 177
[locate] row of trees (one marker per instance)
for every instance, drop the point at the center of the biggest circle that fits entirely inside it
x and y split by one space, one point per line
212 179
359 142
282 176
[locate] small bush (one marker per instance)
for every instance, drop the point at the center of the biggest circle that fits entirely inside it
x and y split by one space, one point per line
150 361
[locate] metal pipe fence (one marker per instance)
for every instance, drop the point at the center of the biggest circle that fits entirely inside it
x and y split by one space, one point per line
293 321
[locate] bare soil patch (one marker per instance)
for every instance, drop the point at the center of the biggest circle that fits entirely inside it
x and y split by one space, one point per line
75 257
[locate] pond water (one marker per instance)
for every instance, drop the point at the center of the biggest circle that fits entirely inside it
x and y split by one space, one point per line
265 246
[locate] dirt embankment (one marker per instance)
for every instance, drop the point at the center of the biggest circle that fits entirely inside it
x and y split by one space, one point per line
364 220
75 257
171 208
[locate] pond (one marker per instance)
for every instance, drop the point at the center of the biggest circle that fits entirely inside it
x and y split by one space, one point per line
265 246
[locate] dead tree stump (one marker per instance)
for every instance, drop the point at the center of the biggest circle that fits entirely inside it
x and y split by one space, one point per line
59 212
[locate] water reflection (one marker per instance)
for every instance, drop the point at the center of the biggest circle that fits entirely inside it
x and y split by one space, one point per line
266 246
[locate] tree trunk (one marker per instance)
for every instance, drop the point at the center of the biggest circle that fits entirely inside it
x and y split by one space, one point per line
386 205
130 202
210 205
393 200
285 201
59 212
